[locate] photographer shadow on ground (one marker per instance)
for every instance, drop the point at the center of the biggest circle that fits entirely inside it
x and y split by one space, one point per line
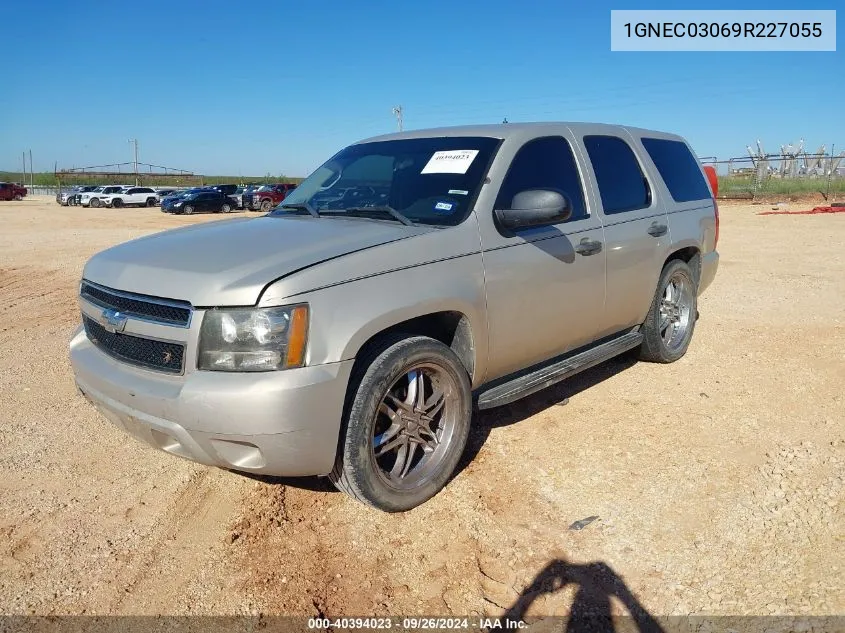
595 584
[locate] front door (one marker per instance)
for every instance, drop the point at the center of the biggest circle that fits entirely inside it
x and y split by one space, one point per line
545 285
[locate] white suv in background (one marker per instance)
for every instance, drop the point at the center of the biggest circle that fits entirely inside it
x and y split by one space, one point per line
95 198
137 196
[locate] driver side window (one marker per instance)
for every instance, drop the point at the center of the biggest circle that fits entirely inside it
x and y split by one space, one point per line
544 163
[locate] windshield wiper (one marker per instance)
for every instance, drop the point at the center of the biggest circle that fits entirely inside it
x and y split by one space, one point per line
302 206
383 209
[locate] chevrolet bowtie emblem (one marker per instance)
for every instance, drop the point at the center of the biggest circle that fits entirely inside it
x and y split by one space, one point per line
112 320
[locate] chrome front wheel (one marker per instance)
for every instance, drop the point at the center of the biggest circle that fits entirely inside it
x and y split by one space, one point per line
407 424
414 425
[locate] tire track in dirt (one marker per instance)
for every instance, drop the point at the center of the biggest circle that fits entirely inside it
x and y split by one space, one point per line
190 530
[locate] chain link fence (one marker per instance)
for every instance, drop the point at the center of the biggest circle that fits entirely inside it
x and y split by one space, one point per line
808 175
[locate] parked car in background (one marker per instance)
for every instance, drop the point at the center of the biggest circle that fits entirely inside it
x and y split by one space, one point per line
268 196
12 191
73 195
202 201
94 197
166 203
163 193
134 196
224 189
506 258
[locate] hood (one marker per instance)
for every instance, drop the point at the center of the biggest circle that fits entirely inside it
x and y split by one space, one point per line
229 262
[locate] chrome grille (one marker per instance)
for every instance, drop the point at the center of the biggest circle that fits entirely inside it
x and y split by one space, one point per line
160 355
164 311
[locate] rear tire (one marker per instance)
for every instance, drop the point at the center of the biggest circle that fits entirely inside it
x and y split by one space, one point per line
95 202
151 202
18 197
407 420
670 323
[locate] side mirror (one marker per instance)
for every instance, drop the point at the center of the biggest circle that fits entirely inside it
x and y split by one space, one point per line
535 207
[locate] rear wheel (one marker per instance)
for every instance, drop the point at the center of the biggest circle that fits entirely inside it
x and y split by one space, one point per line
117 203
95 202
188 209
151 202
18 197
670 323
406 426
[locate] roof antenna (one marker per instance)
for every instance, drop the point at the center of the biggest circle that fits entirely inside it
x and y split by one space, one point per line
505 120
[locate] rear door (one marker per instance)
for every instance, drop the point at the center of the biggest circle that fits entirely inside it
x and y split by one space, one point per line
545 288
636 228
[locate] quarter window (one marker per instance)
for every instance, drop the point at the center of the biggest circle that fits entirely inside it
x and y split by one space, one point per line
622 184
679 169
544 163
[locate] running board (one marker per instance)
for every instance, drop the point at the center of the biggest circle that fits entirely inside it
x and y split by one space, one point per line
548 375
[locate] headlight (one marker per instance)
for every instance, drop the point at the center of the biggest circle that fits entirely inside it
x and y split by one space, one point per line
260 339
177 204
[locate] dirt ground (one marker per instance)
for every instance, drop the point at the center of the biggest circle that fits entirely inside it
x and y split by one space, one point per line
717 481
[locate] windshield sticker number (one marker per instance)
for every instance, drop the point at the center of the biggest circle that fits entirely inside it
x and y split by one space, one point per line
455 161
443 206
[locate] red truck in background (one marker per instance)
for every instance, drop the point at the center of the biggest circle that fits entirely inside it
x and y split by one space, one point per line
267 196
12 191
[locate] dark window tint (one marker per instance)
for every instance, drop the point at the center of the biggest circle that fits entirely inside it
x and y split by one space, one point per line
544 163
678 168
621 182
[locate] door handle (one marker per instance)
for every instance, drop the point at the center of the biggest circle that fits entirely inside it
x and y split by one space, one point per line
657 229
588 247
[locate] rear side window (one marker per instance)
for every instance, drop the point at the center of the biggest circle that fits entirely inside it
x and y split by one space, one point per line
622 184
544 163
678 168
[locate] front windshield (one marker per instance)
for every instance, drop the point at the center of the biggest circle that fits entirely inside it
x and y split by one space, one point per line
428 180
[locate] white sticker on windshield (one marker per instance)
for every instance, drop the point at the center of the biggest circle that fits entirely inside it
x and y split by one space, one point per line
453 161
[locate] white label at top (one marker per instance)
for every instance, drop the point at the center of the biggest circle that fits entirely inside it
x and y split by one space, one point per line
453 161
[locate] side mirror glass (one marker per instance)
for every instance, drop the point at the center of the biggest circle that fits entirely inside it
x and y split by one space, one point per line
535 207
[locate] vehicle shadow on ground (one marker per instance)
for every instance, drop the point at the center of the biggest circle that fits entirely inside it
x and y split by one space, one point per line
556 395
595 585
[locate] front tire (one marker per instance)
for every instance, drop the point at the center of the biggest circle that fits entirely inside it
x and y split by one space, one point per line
18 197
266 205
226 208
187 209
670 323
151 202
117 203
406 424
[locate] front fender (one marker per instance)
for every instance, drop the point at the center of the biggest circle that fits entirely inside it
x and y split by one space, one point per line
345 316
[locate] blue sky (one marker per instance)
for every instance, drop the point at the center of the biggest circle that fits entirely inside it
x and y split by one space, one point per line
255 87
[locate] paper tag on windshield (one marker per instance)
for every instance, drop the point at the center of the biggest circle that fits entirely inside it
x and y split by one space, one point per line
453 161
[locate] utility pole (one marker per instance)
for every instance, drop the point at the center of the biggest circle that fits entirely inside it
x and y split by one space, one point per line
398 112
134 142
30 169
23 175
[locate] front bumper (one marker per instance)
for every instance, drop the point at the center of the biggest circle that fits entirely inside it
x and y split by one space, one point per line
284 423
709 266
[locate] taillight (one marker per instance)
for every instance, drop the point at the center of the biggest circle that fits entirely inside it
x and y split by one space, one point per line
716 211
